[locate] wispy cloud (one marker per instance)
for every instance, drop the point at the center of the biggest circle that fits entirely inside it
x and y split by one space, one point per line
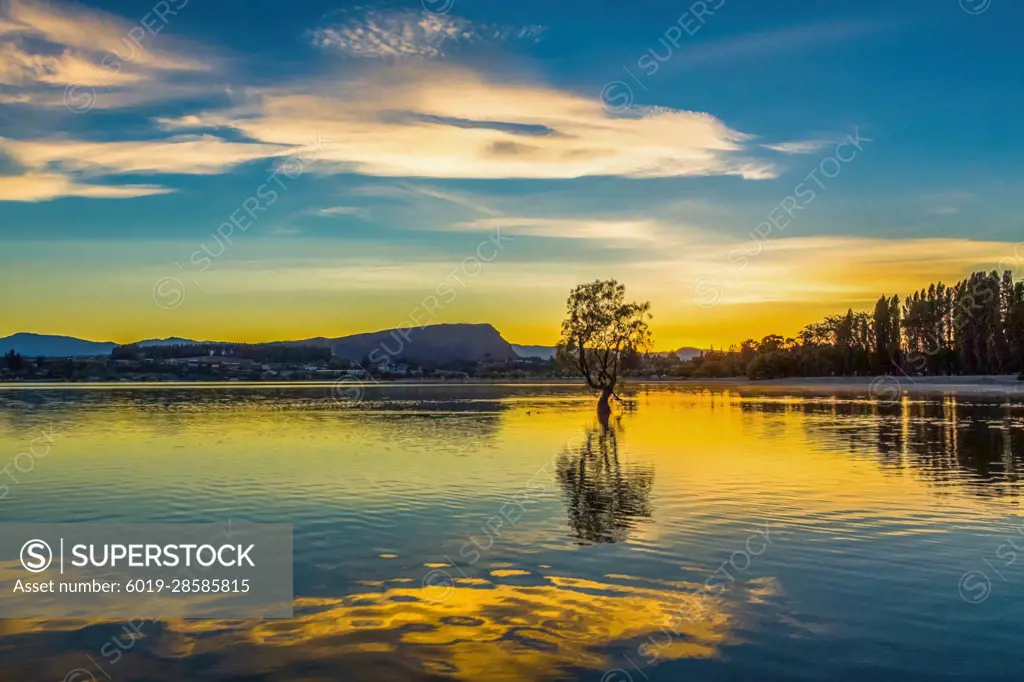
412 192
31 187
335 211
58 54
798 147
50 168
777 41
621 231
283 231
411 34
45 48
183 154
394 120
457 123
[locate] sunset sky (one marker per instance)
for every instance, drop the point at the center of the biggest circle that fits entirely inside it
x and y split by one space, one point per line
747 166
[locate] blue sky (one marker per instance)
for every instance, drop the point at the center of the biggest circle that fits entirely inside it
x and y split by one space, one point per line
645 142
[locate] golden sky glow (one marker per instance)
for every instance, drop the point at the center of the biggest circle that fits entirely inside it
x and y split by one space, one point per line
791 283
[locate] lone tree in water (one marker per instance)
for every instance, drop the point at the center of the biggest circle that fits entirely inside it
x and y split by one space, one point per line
600 330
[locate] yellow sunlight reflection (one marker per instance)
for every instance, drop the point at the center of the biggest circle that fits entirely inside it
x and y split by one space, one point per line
497 631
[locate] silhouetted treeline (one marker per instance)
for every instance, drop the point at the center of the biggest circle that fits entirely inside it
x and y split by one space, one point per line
973 327
257 352
12 361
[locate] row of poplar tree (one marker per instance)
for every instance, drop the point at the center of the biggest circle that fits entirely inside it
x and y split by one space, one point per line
975 326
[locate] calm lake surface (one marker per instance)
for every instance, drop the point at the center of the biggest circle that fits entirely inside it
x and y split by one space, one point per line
499 532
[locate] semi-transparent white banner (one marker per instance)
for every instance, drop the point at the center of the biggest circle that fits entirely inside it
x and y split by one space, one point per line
145 570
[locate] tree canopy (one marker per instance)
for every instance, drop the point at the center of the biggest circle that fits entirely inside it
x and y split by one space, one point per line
600 331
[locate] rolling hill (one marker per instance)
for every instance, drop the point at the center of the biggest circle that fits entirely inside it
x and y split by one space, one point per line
542 352
437 343
433 343
45 345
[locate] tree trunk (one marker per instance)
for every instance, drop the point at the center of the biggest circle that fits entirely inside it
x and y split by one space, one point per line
604 408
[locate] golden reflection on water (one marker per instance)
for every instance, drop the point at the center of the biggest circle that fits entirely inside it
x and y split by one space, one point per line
694 441
772 442
488 631
680 465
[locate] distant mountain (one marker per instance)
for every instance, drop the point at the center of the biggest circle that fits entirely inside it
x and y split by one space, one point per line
46 345
688 353
433 343
321 341
542 352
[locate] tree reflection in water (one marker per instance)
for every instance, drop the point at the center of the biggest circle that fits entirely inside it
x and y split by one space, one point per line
604 498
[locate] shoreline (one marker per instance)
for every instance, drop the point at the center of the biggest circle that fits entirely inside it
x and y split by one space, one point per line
883 387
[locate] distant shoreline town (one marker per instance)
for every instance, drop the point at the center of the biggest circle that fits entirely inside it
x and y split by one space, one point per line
436 352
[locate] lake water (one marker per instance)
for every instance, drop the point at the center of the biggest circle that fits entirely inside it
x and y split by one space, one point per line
499 532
